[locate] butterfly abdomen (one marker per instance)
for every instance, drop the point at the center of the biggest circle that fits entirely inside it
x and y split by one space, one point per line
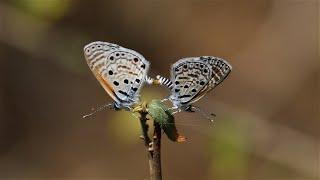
165 81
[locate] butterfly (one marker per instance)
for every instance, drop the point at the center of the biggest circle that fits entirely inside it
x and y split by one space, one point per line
193 77
122 72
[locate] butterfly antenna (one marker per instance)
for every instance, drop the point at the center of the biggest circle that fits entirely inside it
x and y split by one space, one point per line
204 113
103 107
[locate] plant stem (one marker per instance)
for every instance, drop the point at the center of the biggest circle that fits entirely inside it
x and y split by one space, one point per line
147 141
157 151
153 148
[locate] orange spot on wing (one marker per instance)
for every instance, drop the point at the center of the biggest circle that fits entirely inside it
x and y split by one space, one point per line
106 85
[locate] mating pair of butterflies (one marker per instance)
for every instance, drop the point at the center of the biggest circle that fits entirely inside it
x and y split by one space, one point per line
122 72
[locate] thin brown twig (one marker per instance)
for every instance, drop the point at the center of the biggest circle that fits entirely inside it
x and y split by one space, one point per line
145 137
153 148
157 152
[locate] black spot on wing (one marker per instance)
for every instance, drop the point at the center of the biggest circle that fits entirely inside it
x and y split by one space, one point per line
183 96
116 83
183 77
124 93
134 89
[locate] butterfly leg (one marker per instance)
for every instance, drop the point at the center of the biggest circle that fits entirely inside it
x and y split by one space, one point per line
205 114
165 99
174 110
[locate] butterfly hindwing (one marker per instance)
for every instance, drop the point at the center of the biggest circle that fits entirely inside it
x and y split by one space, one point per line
220 69
120 71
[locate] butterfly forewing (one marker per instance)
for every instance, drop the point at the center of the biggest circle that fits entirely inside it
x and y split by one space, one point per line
120 71
189 77
193 77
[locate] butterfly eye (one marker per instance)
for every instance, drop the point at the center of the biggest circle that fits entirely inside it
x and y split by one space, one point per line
135 59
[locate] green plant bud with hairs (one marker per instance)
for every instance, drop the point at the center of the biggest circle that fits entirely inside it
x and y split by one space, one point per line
163 115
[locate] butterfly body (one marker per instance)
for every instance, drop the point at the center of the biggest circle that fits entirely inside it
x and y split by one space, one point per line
121 71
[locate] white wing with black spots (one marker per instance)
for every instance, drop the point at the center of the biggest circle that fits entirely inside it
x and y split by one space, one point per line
121 71
193 77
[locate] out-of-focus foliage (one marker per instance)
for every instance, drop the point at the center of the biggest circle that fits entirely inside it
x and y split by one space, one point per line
50 9
229 149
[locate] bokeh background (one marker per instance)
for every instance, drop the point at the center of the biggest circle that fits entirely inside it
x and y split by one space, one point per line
267 124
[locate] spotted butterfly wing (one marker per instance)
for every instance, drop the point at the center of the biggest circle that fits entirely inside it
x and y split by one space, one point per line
193 77
120 71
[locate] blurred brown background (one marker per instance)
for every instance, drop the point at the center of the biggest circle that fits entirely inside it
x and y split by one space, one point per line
267 124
